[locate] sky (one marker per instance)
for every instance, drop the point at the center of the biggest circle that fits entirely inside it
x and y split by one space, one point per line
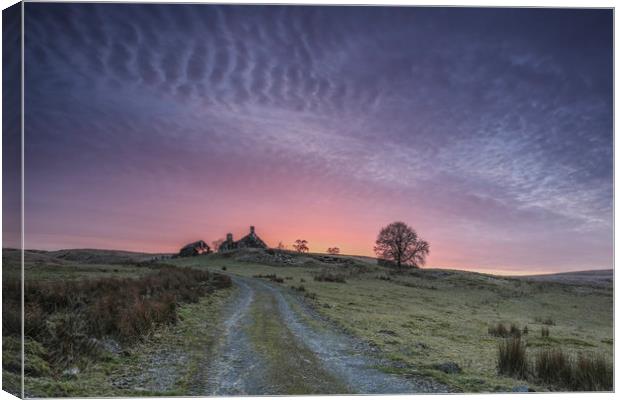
489 131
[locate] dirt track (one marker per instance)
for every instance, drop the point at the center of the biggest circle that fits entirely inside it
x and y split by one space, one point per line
271 343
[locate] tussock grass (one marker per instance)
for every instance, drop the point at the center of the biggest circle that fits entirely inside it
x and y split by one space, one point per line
500 330
593 372
272 277
451 319
328 276
512 358
545 320
585 372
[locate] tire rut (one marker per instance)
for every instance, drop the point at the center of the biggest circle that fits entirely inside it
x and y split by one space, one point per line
268 348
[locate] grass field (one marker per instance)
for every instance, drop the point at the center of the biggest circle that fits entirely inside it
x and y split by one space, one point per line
428 317
93 319
421 320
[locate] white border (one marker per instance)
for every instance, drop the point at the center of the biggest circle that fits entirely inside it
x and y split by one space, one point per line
457 3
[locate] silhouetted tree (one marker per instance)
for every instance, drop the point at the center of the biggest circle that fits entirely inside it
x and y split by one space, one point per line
399 243
216 244
301 246
281 246
333 250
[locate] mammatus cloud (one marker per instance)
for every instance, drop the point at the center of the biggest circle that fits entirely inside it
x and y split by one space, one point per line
434 115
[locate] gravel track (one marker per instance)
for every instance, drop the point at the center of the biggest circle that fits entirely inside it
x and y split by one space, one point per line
308 358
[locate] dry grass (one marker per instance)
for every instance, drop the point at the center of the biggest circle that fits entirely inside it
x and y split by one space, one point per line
593 372
272 277
68 317
552 366
328 276
512 359
586 372
435 326
500 330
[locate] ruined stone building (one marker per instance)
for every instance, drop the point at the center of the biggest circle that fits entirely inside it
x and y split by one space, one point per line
250 240
195 249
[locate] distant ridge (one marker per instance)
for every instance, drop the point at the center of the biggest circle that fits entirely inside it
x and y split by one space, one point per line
591 277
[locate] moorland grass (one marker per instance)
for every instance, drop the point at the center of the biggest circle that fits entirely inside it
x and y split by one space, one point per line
511 358
444 315
70 317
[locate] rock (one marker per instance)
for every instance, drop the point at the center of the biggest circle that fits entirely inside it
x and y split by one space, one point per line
448 368
71 372
111 345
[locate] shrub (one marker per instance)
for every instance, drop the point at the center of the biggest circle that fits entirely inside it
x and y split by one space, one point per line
386 263
512 360
326 276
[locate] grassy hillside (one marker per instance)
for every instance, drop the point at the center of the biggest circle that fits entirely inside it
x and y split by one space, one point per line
428 317
89 316
425 321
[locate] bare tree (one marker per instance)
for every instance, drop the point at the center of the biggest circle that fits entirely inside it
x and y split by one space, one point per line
301 246
399 243
333 250
281 246
217 243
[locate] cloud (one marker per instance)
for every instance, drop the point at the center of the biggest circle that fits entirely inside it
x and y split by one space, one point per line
462 112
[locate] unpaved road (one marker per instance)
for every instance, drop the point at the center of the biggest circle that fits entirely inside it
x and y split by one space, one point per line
271 343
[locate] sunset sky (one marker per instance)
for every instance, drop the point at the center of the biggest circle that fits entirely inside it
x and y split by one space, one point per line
487 130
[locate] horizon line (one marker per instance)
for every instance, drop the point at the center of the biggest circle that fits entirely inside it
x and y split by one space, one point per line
509 272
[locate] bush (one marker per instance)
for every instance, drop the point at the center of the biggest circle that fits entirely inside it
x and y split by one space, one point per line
326 276
512 360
